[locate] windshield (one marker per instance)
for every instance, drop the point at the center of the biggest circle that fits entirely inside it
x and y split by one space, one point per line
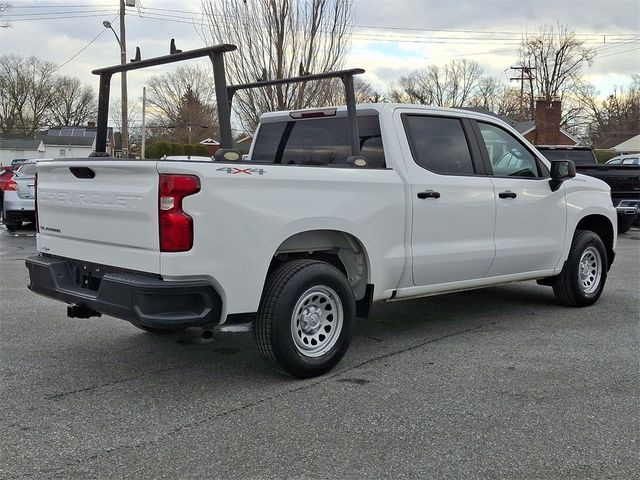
579 157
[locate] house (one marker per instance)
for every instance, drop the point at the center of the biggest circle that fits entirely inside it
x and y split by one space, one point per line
243 144
211 144
246 140
620 143
545 128
12 148
73 141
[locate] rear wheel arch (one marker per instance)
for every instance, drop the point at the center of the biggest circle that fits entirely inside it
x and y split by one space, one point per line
341 249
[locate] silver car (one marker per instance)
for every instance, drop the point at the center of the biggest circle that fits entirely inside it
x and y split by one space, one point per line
19 201
625 160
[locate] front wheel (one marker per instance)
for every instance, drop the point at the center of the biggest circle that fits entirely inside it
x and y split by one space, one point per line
583 276
305 320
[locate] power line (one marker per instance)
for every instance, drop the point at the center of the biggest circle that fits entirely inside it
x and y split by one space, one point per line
618 43
74 12
618 53
66 17
356 35
112 5
85 47
382 27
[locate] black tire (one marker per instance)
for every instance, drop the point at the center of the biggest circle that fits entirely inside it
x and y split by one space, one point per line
325 316
12 227
584 274
160 330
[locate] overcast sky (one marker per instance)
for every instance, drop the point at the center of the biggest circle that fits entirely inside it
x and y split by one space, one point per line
391 38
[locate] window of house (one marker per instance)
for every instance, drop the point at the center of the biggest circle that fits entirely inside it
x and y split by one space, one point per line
439 144
63 152
508 157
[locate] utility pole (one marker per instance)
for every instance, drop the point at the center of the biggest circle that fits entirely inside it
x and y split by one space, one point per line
123 84
144 122
523 70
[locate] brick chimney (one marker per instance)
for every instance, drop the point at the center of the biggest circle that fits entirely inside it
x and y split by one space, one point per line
91 124
547 117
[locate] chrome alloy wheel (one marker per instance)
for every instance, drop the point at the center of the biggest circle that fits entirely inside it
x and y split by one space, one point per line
317 320
590 270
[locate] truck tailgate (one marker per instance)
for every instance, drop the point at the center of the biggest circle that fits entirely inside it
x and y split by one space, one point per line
100 210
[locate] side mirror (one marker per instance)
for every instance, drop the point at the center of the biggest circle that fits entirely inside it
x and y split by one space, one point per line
561 170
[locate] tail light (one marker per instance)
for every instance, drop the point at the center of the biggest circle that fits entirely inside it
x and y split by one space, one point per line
11 186
35 200
176 227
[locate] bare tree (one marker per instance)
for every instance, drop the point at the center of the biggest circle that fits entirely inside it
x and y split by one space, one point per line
555 57
4 6
182 103
496 97
74 103
616 117
364 92
134 122
279 39
453 85
27 92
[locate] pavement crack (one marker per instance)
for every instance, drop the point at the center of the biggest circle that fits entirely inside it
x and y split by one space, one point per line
60 395
260 401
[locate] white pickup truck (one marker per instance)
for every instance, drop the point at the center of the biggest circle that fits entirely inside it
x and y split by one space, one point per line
333 209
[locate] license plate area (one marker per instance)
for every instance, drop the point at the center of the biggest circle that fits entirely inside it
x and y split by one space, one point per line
86 275
89 275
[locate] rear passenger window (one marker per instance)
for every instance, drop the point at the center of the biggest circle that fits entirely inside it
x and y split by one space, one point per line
323 141
439 144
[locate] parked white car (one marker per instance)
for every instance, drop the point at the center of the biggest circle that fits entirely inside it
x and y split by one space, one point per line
18 205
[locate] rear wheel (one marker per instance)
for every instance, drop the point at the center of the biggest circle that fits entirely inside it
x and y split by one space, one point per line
305 320
12 227
583 276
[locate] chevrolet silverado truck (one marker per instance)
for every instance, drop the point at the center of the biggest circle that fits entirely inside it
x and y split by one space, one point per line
333 209
623 179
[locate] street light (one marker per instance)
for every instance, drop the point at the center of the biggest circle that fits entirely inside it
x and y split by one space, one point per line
123 83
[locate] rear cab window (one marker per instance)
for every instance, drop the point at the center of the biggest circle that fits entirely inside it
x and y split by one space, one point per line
439 144
318 141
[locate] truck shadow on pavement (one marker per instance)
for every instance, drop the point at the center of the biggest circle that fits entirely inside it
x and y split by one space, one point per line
230 353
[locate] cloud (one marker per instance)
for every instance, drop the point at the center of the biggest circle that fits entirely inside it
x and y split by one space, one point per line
416 34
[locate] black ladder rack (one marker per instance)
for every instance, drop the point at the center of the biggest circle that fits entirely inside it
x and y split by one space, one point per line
224 92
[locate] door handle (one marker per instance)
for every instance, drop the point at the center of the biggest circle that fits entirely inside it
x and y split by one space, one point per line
428 194
508 194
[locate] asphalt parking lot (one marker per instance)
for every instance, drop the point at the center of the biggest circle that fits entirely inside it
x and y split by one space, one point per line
495 383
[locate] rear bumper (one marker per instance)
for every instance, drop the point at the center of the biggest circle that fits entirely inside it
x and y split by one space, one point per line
16 209
137 298
12 202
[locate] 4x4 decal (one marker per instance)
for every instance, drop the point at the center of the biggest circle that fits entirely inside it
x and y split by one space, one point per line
236 170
